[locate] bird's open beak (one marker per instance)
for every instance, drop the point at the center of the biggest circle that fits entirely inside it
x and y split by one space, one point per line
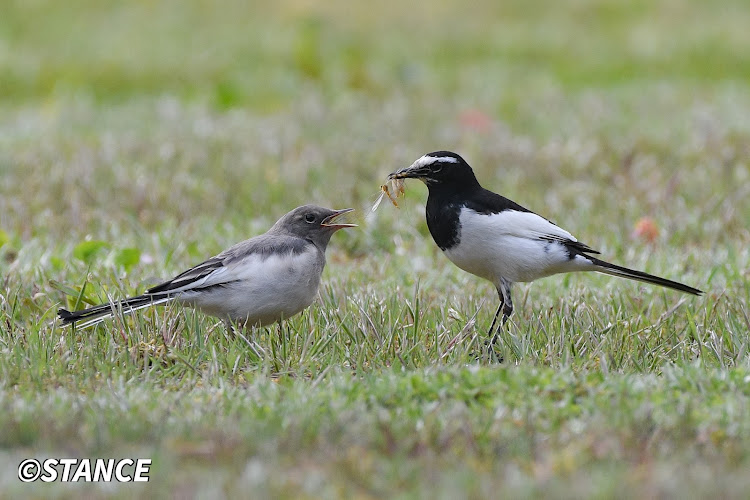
331 221
409 173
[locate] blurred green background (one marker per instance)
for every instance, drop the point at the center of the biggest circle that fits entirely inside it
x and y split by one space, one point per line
187 109
264 55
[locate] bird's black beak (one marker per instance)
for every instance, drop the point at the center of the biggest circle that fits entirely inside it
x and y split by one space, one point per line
410 173
331 220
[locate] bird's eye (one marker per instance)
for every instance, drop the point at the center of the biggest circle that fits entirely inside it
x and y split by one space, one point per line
309 218
437 168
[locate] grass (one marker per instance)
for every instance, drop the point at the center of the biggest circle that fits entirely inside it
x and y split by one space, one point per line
139 139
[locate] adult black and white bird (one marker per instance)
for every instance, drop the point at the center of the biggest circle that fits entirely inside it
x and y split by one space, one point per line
495 238
257 282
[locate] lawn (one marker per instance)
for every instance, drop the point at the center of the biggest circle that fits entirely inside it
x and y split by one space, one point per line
139 138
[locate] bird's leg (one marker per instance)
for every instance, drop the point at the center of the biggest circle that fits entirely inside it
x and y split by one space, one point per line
490 334
506 306
230 328
284 339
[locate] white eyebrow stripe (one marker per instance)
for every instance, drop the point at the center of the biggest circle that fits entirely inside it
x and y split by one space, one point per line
429 160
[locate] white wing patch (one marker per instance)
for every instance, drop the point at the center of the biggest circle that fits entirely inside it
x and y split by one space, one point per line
512 245
526 225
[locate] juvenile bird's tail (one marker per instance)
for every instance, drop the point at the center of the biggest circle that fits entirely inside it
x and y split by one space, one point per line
624 272
94 315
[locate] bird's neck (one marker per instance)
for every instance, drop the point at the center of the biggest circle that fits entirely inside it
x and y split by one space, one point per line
443 210
321 243
450 193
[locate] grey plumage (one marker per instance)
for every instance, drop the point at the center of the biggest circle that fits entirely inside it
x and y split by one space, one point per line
257 282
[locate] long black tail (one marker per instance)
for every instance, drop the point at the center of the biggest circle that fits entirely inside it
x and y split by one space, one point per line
624 272
97 314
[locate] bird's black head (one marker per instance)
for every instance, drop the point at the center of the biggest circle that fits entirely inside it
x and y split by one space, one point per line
313 223
439 168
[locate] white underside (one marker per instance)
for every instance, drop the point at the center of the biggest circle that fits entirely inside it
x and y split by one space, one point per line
268 289
507 245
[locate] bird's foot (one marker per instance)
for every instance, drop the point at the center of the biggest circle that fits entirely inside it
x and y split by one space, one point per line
494 353
489 352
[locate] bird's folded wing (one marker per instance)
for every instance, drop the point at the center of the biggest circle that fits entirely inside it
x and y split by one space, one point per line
532 226
239 262
208 273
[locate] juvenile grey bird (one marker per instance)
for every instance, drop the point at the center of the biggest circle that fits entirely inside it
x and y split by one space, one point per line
257 282
497 239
